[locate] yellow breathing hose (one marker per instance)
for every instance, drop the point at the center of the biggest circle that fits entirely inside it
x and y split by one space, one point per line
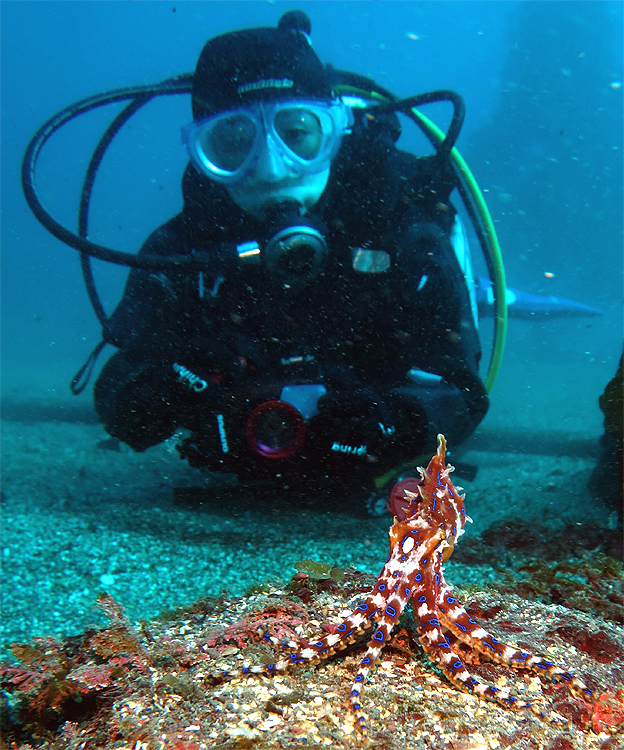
491 250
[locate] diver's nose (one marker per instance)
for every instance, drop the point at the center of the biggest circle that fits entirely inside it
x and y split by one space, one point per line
270 166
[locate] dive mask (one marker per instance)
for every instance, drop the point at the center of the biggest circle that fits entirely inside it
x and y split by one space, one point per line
307 133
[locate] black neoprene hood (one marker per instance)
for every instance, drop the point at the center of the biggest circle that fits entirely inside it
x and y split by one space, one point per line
254 64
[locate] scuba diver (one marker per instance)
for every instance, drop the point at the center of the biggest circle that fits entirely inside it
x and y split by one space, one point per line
334 276
318 327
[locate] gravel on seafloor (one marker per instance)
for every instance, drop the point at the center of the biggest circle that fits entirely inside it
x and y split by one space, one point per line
79 518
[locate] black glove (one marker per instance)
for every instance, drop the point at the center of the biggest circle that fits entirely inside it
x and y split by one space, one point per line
142 400
354 423
133 401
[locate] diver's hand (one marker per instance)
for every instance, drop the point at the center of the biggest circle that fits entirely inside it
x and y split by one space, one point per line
354 423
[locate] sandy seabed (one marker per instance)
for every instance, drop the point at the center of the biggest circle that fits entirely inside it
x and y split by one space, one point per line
82 515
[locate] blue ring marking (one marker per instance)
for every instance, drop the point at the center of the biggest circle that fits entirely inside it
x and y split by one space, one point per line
404 538
413 531
493 689
434 621
434 502
245 670
389 557
391 611
404 558
319 644
441 609
357 707
457 665
362 607
485 643
381 587
587 691
342 627
472 681
450 600
463 512
494 640
418 577
461 627
350 632
407 591
396 586
366 660
371 614
358 678
437 579
422 599
425 561
445 643
454 530
565 676
395 574
294 656
379 636
471 621
511 699
270 667
355 692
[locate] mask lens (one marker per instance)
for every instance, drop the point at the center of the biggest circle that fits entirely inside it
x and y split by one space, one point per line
301 130
228 141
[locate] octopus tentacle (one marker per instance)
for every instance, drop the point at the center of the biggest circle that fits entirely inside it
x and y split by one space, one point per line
438 647
386 622
454 617
346 633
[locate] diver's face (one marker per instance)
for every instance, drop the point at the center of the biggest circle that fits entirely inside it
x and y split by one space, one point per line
274 181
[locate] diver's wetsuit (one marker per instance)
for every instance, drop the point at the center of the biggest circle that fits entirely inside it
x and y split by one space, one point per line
355 332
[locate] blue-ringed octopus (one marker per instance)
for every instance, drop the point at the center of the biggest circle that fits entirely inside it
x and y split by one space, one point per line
434 520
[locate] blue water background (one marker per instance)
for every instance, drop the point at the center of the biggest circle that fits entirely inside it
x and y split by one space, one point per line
543 135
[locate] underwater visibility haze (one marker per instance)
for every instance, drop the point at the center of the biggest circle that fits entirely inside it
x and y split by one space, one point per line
83 516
